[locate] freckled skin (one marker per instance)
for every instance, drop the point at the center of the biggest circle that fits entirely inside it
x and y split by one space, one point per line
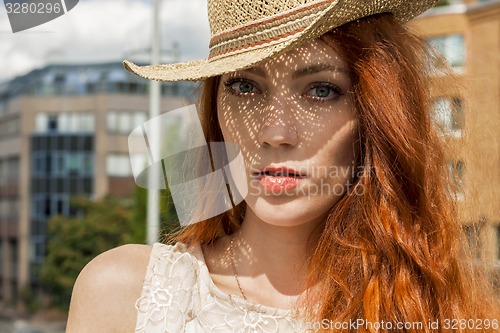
295 110
302 119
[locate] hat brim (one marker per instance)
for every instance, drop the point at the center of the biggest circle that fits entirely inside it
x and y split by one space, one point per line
336 14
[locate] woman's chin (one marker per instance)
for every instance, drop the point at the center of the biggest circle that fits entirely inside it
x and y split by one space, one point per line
286 213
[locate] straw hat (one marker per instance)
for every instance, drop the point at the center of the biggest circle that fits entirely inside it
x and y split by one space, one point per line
245 32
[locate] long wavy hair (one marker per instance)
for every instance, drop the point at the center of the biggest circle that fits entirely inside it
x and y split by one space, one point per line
396 253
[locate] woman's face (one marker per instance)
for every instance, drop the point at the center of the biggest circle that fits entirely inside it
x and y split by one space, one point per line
293 119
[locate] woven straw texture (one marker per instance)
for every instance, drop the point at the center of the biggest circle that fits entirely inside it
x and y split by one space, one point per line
246 32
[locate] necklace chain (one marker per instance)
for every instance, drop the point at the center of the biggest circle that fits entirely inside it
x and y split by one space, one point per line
233 264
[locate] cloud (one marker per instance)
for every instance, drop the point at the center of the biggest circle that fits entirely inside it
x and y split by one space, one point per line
104 30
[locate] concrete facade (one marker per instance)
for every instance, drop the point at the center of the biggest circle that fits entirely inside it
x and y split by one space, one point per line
17 248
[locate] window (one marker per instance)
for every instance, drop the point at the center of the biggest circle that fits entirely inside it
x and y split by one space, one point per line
118 165
3 208
138 162
39 248
3 107
124 122
1 257
3 128
41 121
87 166
13 258
42 164
65 122
45 206
139 118
73 164
9 209
9 126
87 122
59 84
37 163
13 168
47 211
52 122
456 170
59 78
112 121
472 234
3 171
452 49
88 143
61 164
448 115
78 164
60 204
37 207
13 209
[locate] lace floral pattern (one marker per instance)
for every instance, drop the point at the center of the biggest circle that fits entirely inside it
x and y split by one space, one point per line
167 291
178 295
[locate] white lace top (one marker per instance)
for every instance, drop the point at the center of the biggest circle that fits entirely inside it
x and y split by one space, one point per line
178 295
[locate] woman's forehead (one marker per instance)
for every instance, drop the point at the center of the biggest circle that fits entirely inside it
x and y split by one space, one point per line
312 56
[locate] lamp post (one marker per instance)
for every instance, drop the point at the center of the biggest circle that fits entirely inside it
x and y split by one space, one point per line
153 216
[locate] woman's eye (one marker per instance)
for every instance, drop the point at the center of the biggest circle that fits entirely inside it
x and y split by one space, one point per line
241 86
244 87
323 91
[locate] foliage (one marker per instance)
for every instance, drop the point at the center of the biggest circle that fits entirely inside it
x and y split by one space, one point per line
99 226
74 241
168 217
442 3
31 302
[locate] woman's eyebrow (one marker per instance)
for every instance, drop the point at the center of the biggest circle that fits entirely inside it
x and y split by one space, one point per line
256 70
316 68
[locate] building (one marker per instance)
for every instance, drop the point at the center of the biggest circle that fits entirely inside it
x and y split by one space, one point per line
467 34
63 132
64 128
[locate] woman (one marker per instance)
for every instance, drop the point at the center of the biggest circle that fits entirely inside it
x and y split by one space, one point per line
347 224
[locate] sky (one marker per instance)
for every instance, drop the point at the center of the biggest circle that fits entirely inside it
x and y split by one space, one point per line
103 30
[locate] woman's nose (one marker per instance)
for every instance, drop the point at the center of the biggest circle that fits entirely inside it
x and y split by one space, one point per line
278 127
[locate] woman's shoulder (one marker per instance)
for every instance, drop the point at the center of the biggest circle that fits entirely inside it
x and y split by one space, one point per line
105 292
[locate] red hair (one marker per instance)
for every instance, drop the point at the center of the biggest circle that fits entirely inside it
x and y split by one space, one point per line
394 253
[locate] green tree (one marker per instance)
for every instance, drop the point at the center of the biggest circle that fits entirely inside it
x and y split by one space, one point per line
168 217
100 226
74 241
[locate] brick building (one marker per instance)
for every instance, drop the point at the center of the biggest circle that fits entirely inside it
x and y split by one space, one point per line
467 108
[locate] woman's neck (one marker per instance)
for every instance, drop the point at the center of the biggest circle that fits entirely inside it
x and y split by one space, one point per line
274 257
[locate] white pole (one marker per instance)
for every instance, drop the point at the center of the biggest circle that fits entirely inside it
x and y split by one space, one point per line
154 110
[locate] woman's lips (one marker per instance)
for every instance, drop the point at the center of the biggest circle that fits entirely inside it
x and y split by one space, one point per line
278 180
